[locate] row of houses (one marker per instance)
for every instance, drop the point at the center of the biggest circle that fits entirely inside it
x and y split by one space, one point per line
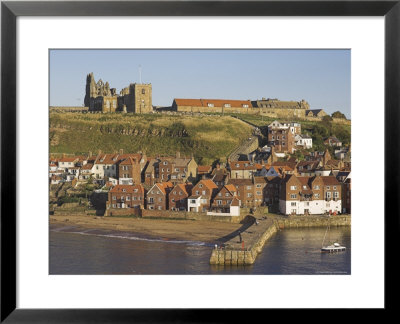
293 194
120 168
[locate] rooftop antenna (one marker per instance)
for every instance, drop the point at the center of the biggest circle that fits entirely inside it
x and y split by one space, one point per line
140 74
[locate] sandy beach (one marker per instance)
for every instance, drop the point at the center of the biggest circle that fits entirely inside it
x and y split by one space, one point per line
170 229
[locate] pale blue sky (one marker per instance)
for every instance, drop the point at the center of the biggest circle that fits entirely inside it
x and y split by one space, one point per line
322 77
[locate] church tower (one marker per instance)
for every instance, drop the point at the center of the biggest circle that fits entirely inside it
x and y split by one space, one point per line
91 89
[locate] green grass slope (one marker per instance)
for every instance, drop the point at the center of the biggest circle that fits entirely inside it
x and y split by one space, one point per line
208 137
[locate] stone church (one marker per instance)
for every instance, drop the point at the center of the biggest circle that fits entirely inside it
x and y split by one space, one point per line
136 98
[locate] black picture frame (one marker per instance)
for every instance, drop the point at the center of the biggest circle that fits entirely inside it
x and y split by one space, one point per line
11 10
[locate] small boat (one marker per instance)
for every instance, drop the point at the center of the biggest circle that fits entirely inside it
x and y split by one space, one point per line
335 247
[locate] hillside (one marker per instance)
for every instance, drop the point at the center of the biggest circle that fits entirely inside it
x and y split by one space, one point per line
208 137
318 130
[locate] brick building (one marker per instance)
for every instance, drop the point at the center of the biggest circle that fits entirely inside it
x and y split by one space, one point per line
310 195
224 198
242 169
157 196
202 194
178 196
127 196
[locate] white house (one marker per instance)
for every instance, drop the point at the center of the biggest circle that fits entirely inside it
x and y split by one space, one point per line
303 140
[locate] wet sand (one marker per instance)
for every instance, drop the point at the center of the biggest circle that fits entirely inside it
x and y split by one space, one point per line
170 229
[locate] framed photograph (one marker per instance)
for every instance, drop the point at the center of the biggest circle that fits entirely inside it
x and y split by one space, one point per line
208 149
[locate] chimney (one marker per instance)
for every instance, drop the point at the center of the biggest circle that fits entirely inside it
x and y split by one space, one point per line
90 153
178 155
121 151
218 166
99 152
63 155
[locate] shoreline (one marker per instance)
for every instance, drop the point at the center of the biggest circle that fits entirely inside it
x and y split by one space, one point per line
187 230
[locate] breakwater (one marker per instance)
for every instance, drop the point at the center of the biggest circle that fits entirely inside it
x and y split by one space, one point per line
244 247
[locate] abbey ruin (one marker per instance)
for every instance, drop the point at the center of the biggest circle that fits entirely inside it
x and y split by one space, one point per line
135 98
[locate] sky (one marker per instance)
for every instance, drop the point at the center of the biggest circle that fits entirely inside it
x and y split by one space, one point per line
321 77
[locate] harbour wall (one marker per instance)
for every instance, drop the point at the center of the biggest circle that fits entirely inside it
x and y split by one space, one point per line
243 249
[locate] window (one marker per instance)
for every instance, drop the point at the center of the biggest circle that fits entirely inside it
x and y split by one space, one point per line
316 195
219 202
124 190
203 192
248 187
258 186
227 105
151 200
293 187
219 194
193 201
160 199
227 194
200 186
249 195
210 104
336 194
114 198
114 205
245 106
304 187
293 196
328 194
316 187
334 187
197 192
293 204
258 192
327 187
143 91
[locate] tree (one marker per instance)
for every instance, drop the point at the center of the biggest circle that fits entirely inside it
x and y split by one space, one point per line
338 114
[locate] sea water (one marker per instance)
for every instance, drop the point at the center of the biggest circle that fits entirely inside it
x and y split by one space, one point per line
74 250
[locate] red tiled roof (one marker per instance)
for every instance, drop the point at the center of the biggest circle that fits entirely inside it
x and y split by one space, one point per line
209 184
185 187
68 159
87 166
203 168
242 165
330 180
164 185
107 158
231 188
215 102
127 188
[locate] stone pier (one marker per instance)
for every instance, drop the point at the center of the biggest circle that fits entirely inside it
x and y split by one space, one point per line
244 252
